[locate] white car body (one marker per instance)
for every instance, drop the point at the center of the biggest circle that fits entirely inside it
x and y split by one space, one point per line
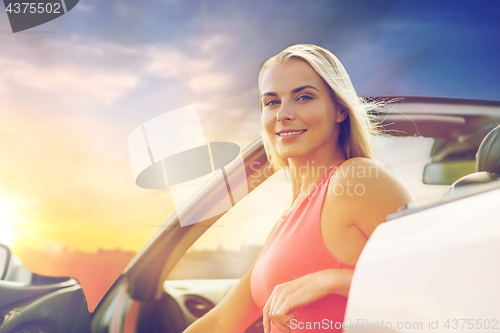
435 270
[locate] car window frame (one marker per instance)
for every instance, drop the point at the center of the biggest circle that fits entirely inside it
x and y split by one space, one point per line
149 268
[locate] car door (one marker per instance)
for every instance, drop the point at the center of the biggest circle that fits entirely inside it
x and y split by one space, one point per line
138 301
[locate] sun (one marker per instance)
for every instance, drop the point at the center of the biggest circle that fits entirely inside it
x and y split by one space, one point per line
7 232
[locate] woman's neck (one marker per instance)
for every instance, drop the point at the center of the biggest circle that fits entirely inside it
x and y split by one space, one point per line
305 173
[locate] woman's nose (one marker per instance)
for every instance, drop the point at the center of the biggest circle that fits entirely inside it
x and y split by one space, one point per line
285 113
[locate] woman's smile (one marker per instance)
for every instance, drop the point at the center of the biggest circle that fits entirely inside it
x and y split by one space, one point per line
290 135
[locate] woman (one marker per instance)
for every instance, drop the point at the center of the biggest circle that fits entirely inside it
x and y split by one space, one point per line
317 130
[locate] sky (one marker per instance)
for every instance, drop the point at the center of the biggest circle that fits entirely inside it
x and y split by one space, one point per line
73 89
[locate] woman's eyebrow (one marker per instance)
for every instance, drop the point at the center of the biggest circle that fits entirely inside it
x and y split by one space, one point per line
294 91
269 94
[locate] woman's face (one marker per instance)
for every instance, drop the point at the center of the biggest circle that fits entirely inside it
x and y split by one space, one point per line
298 113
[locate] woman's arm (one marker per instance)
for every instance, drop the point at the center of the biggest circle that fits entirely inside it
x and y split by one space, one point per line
289 296
234 313
336 281
381 195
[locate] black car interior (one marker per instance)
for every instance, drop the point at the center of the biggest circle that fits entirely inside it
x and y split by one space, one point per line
487 164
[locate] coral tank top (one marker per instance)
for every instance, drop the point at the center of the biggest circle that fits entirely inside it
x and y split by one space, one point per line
296 248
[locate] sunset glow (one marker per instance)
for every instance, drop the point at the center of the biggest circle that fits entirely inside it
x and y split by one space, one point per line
7 233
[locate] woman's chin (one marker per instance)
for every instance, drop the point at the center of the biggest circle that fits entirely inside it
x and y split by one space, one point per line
290 154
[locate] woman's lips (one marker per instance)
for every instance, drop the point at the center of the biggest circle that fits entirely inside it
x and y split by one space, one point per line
290 135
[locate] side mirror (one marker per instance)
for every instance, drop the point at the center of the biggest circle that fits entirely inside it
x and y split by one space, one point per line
446 172
5 255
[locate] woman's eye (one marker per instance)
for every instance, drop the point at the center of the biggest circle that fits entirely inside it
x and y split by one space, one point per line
271 102
304 97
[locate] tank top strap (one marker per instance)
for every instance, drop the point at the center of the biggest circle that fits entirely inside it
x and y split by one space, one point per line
317 201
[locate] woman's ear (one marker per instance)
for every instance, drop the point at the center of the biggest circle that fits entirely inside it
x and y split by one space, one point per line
341 115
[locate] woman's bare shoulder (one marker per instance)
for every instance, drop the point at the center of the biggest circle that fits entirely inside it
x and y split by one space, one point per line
366 171
369 189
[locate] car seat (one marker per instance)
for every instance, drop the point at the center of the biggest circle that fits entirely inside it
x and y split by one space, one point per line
487 165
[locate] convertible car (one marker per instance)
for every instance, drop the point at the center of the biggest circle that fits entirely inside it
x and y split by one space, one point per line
432 266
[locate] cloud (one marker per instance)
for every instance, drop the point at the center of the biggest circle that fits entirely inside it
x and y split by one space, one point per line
197 69
75 70
89 70
208 82
84 8
169 63
89 84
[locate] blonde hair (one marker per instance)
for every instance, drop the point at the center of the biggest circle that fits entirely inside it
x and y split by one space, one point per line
356 130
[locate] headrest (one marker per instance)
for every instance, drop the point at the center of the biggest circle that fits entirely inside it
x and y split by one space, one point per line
488 154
